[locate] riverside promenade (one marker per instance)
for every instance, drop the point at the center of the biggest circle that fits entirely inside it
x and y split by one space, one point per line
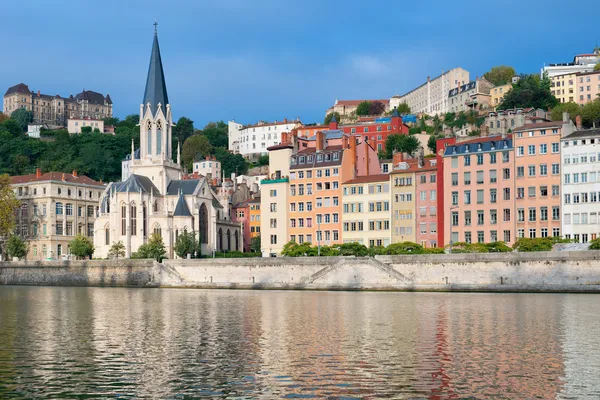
504 272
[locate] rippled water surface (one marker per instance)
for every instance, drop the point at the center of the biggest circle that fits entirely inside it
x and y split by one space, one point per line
154 343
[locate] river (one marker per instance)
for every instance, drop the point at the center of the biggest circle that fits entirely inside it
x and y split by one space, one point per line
59 342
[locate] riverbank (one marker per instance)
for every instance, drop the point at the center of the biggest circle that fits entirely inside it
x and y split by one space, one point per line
501 272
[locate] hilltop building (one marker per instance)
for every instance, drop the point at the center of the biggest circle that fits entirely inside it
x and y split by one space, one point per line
154 198
581 63
252 141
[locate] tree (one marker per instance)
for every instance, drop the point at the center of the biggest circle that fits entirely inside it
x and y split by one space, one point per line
363 108
432 143
352 249
20 164
403 109
186 244
111 121
376 108
597 67
594 244
500 75
8 206
231 163
404 248
81 246
156 247
263 160
117 250
255 244
402 143
193 146
530 91
22 117
86 129
16 247
572 108
217 134
183 129
530 245
329 116
590 113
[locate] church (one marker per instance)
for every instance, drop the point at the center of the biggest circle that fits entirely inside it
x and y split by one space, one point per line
154 198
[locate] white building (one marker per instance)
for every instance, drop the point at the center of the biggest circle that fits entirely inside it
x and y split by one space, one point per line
34 130
154 199
581 63
74 125
251 180
581 185
210 165
253 140
432 96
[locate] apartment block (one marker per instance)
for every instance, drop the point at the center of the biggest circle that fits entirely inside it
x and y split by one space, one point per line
563 87
587 87
403 184
252 141
502 122
581 185
474 95
426 201
478 182
537 169
366 210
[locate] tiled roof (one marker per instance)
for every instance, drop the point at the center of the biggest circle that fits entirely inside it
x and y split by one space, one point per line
55 176
368 179
357 102
276 123
187 186
334 134
540 125
583 134
20 88
136 154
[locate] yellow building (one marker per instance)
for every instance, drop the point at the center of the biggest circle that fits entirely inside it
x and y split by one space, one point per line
563 87
366 210
497 94
254 207
403 198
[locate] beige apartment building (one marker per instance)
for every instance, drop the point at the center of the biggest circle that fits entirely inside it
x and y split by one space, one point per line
55 110
497 94
54 208
563 87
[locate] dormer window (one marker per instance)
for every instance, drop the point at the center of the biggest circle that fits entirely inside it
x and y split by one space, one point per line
301 160
466 148
320 158
336 156
493 145
454 149
479 147
327 157
311 159
293 160
505 143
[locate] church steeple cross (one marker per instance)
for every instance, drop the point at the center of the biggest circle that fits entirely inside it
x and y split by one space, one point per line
155 27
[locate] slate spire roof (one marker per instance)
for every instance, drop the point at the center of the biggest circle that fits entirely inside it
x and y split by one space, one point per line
395 113
181 209
156 88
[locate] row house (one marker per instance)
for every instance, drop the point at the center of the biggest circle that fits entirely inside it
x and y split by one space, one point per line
503 122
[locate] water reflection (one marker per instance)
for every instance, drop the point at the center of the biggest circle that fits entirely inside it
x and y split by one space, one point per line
137 343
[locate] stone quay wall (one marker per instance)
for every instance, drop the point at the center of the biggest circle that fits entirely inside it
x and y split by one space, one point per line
519 272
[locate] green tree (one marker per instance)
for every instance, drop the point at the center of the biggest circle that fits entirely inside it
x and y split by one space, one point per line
590 113
81 246
572 108
329 116
595 244
402 143
20 164
16 247
293 249
23 117
432 143
530 91
217 134
376 108
111 121
8 206
255 245
352 249
403 109
263 160
197 145
86 129
154 249
404 248
183 129
117 250
597 67
500 75
363 108
531 245
130 121
186 244
231 163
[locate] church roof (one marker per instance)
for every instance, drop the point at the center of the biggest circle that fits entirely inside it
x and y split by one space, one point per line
182 186
156 88
181 209
136 183
136 154
216 203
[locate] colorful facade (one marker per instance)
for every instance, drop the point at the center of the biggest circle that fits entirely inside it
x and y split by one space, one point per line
587 87
426 202
403 190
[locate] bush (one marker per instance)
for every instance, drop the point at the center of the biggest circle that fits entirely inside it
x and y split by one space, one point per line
595 244
537 244
186 244
154 249
404 248
81 247
16 247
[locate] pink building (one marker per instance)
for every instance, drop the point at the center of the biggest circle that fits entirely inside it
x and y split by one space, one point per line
426 204
588 87
479 190
537 167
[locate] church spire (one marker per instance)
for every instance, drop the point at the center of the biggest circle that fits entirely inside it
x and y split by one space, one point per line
156 88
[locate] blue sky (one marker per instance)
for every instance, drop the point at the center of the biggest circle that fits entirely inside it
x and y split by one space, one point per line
268 59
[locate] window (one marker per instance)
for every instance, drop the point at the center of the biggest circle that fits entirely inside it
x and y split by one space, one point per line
555 147
480 218
467 218
532 214
454 198
59 208
543 148
506 193
479 159
520 172
480 196
555 169
505 156
520 151
467 177
273 239
479 177
531 170
531 191
506 173
455 179
467 197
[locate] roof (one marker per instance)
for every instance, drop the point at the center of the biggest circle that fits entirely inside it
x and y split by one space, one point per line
181 209
280 146
368 179
284 122
464 88
588 73
91 96
135 184
583 134
329 134
20 88
539 125
357 102
156 88
314 163
187 186
496 143
216 203
136 154
55 176
412 165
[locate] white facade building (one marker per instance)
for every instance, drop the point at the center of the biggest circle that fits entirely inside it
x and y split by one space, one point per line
208 166
253 140
581 185
34 130
581 63
74 125
432 96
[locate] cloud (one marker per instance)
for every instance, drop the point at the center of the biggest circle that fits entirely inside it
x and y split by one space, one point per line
367 64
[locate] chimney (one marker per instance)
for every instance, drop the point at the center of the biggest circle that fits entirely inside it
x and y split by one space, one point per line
75 173
566 116
38 172
39 95
319 140
234 181
367 148
284 137
578 122
344 141
397 158
63 177
421 158
294 140
285 120
214 182
352 154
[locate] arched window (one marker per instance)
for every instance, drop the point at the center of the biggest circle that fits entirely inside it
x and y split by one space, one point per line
158 137
123 220
144 220
228 239
149 137
157 230
203 228
133 219
220 240
237 240
107 234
